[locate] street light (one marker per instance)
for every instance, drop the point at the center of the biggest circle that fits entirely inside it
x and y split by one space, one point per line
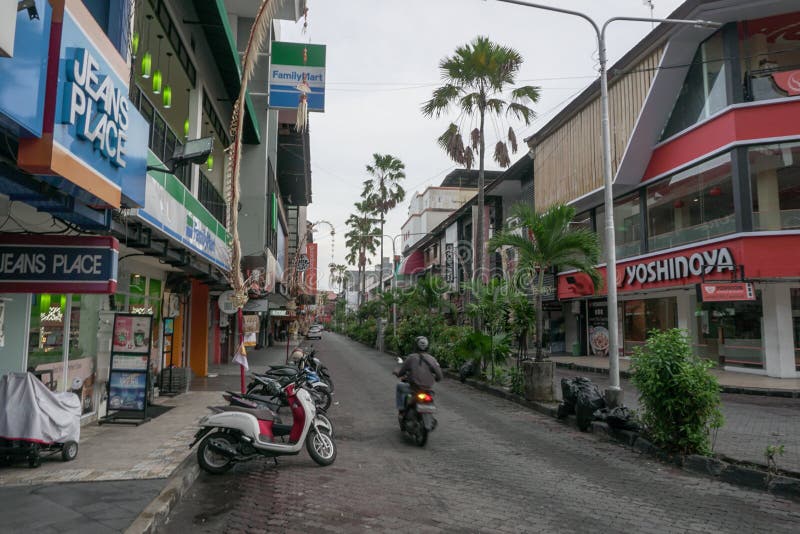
614 392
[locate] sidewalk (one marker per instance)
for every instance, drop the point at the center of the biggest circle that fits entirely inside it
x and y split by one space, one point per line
124 466
731 382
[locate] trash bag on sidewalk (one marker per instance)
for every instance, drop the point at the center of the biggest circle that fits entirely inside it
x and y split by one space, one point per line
569 394
466 370
589 400
620 418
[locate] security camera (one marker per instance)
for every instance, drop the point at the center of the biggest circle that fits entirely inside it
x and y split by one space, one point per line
30 5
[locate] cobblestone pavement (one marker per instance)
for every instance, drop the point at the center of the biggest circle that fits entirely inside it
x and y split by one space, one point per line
491 466
751 422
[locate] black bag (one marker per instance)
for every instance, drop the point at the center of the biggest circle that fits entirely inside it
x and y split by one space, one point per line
589 400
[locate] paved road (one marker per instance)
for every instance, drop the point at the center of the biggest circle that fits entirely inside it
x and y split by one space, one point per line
491 466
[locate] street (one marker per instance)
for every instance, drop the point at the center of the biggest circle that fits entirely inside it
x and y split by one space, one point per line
490 466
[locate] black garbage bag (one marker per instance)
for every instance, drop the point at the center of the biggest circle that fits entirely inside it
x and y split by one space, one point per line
467 370
620 418
569 391
589 401
564 410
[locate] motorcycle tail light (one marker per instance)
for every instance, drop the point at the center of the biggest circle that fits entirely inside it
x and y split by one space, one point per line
424 397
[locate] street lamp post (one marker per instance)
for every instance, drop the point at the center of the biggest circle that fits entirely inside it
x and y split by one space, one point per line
614 392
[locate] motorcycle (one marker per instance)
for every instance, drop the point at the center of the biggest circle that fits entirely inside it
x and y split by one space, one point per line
417 418
318 367
236 434
273 403
287 373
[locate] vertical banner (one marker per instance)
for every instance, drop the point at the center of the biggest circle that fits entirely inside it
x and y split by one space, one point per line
598 327
311 273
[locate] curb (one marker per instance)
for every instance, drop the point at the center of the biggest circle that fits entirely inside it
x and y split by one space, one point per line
739 390
156 513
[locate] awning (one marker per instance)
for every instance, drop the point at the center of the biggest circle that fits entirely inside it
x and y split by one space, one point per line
214 20
412 264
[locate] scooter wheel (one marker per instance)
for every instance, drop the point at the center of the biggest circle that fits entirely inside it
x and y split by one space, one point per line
69 450
211 461
34 457
321 448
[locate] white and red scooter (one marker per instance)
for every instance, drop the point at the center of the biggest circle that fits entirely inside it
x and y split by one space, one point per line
237 434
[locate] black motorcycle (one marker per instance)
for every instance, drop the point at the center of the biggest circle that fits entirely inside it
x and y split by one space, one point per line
417 417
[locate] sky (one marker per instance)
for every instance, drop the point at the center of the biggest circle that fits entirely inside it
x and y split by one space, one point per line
382 65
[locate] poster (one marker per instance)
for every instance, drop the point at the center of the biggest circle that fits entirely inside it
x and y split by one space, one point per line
132 333
598 328
124 362
127 390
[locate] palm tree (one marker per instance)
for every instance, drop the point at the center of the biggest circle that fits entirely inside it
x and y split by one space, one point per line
475 80
544 240
361 239
383 192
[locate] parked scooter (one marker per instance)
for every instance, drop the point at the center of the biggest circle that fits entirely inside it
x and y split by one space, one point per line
274 403
310 360
417 416
237 434
284 374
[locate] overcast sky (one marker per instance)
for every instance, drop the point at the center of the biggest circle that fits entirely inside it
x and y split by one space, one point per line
382 64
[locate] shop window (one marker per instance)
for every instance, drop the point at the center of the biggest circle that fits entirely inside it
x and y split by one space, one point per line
583 220
46 337
775 186
84 316
730 332
769 54
627 227
211 199
693 205
642 316
796 325
704 90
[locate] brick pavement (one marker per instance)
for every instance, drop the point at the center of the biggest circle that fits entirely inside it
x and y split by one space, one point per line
491 466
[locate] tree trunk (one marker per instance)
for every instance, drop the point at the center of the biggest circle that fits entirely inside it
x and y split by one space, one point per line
540 284
380 293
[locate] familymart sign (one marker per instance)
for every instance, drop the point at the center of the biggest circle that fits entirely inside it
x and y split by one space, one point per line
297 69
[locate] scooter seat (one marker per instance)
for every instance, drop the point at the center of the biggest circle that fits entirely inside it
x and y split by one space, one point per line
264 414
282 371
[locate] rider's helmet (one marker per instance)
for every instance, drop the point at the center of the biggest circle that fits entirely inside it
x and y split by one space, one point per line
422 343
297 355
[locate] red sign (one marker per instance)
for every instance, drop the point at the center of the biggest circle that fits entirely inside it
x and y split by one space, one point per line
789 81
726 292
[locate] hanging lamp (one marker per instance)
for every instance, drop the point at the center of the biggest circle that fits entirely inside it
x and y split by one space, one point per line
166 95
157 74
147 58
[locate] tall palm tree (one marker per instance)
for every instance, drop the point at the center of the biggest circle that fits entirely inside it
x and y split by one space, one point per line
361 239
476 78
544 240
383 192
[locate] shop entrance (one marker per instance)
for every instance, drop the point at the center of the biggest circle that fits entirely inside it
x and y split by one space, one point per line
730 332
641 316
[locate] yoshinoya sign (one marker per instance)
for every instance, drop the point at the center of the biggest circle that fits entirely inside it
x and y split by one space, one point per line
63 264
678 267
726 291
297 68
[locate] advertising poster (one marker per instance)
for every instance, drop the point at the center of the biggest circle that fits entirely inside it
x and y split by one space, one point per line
598 328
132 333
127 391
123 362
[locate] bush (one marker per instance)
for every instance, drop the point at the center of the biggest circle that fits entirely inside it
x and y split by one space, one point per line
445 346
680 398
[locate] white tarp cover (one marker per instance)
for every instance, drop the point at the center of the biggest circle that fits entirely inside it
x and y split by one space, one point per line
30 411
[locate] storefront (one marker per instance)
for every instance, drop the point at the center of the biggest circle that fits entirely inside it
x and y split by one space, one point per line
738 298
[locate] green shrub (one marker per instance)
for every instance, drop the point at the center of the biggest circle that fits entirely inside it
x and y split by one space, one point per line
516 380
444 347
680 398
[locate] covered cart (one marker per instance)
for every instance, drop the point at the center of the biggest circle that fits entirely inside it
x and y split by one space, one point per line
35 420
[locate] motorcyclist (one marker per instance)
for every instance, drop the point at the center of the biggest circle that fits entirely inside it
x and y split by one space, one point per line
419 371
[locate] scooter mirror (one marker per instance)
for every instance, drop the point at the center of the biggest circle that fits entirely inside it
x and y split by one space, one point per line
399 360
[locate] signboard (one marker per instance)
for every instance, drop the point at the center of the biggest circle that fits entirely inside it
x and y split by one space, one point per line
256 305
680 266
128 378
251 324
788 80
311 273
726 291
23 77
297 68
99 139
449 264
598 327
225 302
279 313
60 264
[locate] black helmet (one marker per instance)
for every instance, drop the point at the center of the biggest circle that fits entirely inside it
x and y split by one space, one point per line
422 343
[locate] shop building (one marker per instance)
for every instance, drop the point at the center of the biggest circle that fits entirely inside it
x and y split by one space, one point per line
88 135
706 159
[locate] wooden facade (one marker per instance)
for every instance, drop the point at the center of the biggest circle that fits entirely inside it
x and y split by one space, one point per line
568 161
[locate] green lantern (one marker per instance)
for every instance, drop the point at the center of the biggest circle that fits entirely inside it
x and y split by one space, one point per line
135 44
167 97
210 162
186 128
157 82
147 65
